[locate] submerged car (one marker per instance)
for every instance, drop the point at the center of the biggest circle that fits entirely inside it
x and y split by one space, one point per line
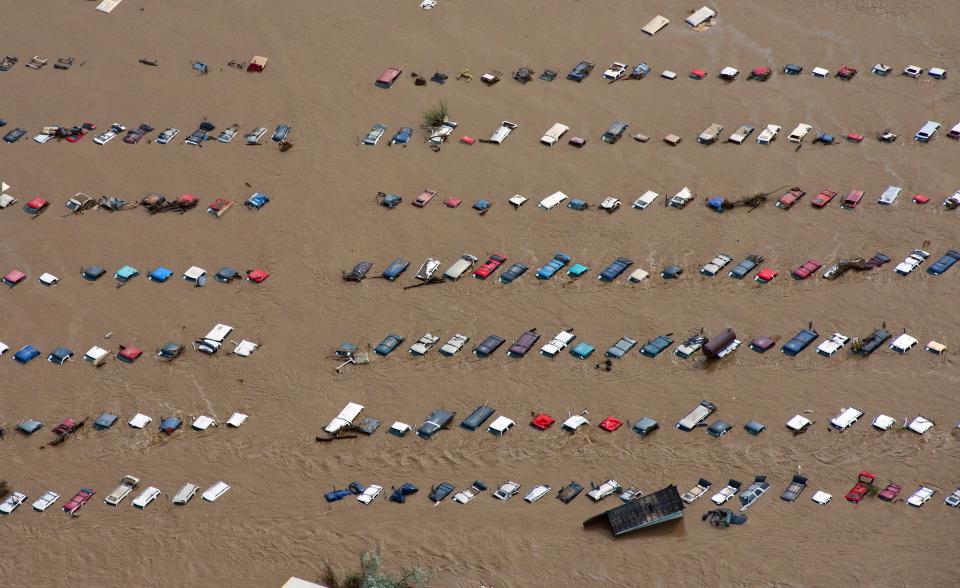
580 71
374 135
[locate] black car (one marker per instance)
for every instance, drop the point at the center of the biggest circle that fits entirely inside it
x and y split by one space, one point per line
488 346
281 133
437 420
440 491
580 71
14 135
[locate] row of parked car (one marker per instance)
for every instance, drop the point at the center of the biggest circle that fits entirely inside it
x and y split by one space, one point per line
467 263
619 70
153 203
611 203
618 129
748 495
194 275
106 420
127 485
204 132
348 420
712 348
209 344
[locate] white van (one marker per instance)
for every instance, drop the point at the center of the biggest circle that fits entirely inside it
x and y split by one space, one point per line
696 416
127 484
890 195
646 200
146 497
212 341
346 416
215 491
554 133
903 343
186 492
553 200
460 267
710 135
768 134
681 198
800 132
927 131
955 132
502 131
846 418
701 16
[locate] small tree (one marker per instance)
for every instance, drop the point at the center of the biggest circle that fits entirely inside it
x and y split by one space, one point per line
371 576
435 115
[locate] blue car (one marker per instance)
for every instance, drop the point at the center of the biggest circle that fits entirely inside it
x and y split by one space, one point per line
799 342
640 71
655 346
580 71
513 272
944 263
402 137
396 267
482 205
389 343
27 353
400 494
559 261
14 135
353 488
257 201
577 204
613 271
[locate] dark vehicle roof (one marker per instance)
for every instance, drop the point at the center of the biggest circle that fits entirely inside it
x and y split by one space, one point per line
615 268
645 511
489 345
718 343
477 418
800 341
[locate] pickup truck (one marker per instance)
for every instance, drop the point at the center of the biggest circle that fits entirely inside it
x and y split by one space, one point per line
127 484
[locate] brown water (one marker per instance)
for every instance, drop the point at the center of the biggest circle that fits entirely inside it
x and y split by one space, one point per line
323 219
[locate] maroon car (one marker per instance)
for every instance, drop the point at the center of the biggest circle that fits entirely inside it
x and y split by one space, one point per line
524 343
890 492
134 135
79 499
491 265
807 269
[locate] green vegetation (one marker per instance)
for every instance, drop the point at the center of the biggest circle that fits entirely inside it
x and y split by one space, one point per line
435 115
371 576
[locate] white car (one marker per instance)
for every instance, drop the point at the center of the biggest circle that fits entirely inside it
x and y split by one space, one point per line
921 496
912 262
506 490
610 204
49 497
558 343
146 497
646 200
598 493
424 345
832 345
768 134
575 422
500 133
186 492
466 495
913 71
371 492
167 135
953 499
889 195
536 493
108 135
712 267
127 484
615 71
12 502
254 136
797 135
454 345
740 135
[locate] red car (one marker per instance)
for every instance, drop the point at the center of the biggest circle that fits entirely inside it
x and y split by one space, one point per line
790 198
765 275
79 499
890 492
129 354
698 74
855 138
823 198
920 199
67 426
611 424
452 202
807 269
36 206
257 276
864 483
852 200
542 421
493 262
81 132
